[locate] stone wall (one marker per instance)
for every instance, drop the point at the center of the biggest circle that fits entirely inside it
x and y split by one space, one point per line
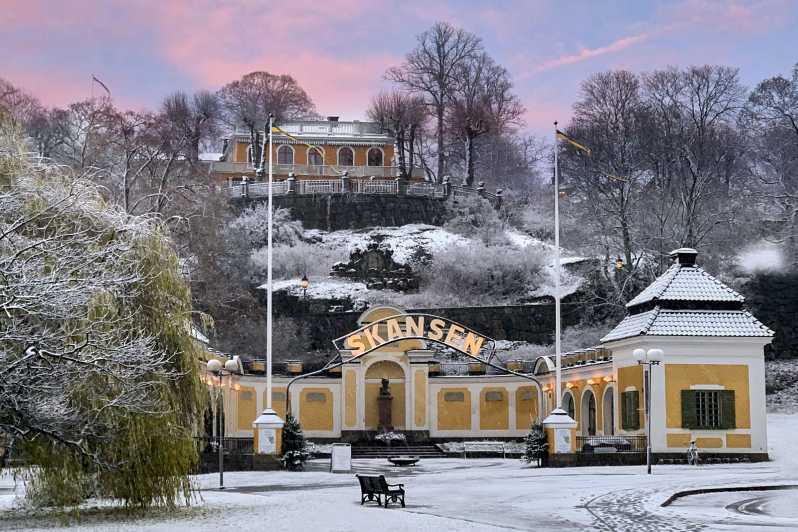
531 323
332 212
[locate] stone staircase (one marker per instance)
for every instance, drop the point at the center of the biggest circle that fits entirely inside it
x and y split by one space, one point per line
422 450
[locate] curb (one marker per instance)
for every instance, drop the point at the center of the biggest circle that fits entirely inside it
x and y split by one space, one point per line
700 491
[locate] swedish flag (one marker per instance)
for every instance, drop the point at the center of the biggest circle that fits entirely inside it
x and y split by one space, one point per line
562 136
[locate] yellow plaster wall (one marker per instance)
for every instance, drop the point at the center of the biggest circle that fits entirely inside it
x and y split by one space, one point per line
680 377
385 369
454 415
494 415
315 415
278 401
526 410
738 441
397 405
678 440
247 407
709 443
633 376
350 391
420 404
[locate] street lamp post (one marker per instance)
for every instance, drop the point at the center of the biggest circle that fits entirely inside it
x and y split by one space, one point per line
650 358
305 283
215 367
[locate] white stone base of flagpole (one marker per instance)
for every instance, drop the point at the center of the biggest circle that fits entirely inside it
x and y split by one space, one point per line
268 432
561 432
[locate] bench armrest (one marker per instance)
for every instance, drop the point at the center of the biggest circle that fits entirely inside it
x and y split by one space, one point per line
394 485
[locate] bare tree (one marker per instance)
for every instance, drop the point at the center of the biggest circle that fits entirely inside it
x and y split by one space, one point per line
771 120
247 102
431 70
481 103
195 119
402 115
695 111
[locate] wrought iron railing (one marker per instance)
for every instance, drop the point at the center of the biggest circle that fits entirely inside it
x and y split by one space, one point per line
231 445
611 444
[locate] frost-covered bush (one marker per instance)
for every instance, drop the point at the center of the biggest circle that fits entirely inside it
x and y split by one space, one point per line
463 274
254 224
290 262
475 217
536 445
295 449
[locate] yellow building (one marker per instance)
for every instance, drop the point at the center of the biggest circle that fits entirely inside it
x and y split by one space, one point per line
316 150
710 387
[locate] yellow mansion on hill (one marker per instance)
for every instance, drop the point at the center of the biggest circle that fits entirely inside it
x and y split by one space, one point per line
709 388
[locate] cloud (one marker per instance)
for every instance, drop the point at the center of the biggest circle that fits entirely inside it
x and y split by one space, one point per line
589 53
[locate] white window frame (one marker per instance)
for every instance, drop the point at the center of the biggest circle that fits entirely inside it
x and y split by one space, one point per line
338 155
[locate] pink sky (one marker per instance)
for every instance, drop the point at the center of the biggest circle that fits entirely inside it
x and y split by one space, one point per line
339 50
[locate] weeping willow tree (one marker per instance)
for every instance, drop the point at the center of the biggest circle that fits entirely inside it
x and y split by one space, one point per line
99 389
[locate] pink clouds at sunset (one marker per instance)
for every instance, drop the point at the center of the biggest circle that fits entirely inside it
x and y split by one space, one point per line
339 50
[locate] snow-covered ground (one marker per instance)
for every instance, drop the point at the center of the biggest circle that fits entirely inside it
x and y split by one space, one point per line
473 494
406 242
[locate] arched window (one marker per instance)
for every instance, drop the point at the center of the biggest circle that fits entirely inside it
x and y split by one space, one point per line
568 405
375 157
346 157
285 155
608 412
315 157
588 424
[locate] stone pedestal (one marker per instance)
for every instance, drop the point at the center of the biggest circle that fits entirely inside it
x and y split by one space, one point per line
384 401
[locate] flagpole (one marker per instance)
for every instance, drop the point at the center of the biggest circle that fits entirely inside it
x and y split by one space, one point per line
269 280
557 353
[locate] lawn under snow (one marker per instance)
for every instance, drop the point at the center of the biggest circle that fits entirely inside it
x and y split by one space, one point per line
473 494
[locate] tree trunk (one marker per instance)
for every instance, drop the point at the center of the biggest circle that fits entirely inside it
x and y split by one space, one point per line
439 177
412 150
469 160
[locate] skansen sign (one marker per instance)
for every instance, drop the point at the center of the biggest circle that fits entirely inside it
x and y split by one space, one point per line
414 326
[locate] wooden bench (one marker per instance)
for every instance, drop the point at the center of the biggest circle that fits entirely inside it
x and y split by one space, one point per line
374 487
402 461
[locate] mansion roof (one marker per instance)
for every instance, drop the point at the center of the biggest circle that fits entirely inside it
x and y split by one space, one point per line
328 132
687 301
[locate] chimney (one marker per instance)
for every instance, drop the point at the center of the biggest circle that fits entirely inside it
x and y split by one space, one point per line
332 118
684 256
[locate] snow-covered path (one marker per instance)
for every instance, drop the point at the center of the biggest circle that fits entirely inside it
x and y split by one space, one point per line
488 494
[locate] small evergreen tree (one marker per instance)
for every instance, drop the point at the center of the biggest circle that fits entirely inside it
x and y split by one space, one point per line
537 445
295 450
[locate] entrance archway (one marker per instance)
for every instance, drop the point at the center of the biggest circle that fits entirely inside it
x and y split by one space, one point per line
395 374
608 409
588 408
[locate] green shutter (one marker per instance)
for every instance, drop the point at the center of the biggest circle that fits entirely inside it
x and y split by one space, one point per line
634 420
630 415
727 413
689 418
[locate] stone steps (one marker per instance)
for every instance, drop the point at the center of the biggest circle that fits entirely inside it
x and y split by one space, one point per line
422 451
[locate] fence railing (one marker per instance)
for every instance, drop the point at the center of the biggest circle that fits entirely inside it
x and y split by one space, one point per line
610 444
231 445
315 170
348 185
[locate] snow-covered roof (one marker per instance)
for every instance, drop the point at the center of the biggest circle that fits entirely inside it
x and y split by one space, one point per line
684 282
663 322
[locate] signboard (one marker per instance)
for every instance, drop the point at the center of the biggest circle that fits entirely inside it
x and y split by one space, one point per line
414 326
267 441
341 458
562 440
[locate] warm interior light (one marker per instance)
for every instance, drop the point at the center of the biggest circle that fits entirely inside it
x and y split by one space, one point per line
304 283
608 379
619 263
591 381
569 385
